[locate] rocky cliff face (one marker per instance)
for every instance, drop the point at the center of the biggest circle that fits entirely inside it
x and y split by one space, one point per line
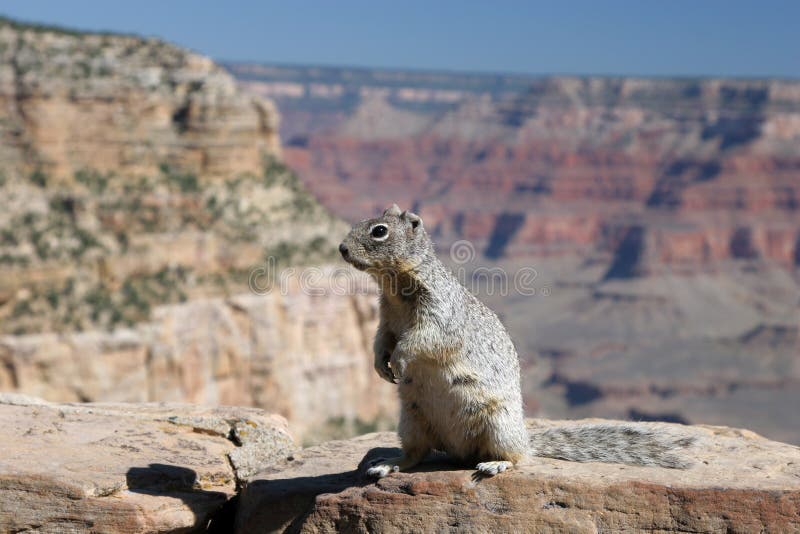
142 192
106 250
303 355
702 171
134 173
123 104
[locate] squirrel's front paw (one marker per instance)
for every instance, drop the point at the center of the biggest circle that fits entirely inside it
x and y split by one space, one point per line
382 368
398 365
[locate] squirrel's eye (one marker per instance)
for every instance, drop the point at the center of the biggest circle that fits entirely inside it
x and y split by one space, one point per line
379 231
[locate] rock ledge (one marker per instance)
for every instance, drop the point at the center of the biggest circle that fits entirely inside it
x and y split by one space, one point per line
116 467
739 482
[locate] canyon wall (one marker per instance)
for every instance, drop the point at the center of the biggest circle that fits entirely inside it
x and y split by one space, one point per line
303 352
122 104
687 173
145 207
657 221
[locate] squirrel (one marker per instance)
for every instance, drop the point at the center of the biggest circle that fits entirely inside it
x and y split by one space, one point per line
457 370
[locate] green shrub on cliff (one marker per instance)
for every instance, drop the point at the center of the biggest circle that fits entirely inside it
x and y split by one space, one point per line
38 178
186 182
97 182
94 238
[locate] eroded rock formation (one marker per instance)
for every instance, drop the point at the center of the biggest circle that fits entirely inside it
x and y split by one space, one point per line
142 192
705 168
71 101
659 216
303 355
128 467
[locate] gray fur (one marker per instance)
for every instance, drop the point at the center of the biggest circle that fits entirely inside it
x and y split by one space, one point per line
455 365
627 443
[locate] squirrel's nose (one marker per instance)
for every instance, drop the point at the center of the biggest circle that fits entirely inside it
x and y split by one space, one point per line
343 250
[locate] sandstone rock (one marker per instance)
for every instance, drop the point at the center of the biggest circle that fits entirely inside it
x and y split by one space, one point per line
135 173
740 482
306 356
125 467
73 101
694 165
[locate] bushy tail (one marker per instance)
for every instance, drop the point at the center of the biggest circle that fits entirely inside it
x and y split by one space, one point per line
627 443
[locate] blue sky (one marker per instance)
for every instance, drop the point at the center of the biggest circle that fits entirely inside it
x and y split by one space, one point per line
625 37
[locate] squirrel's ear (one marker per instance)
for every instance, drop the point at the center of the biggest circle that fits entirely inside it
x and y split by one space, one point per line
394 210
413 218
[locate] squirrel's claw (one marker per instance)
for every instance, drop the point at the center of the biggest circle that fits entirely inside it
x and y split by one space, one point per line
398 367
388 377
385 373
383 369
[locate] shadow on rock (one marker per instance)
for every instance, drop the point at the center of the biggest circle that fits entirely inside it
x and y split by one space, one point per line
436 461
213 510
283 504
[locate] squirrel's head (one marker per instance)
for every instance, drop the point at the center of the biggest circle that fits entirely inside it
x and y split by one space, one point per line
392 243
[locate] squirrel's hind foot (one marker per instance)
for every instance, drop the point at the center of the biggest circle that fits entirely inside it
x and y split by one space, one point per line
490 469
381 470
380 467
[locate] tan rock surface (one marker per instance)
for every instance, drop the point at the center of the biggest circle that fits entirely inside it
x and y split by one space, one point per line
126 467
134 173
739 482
307 357
72 101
